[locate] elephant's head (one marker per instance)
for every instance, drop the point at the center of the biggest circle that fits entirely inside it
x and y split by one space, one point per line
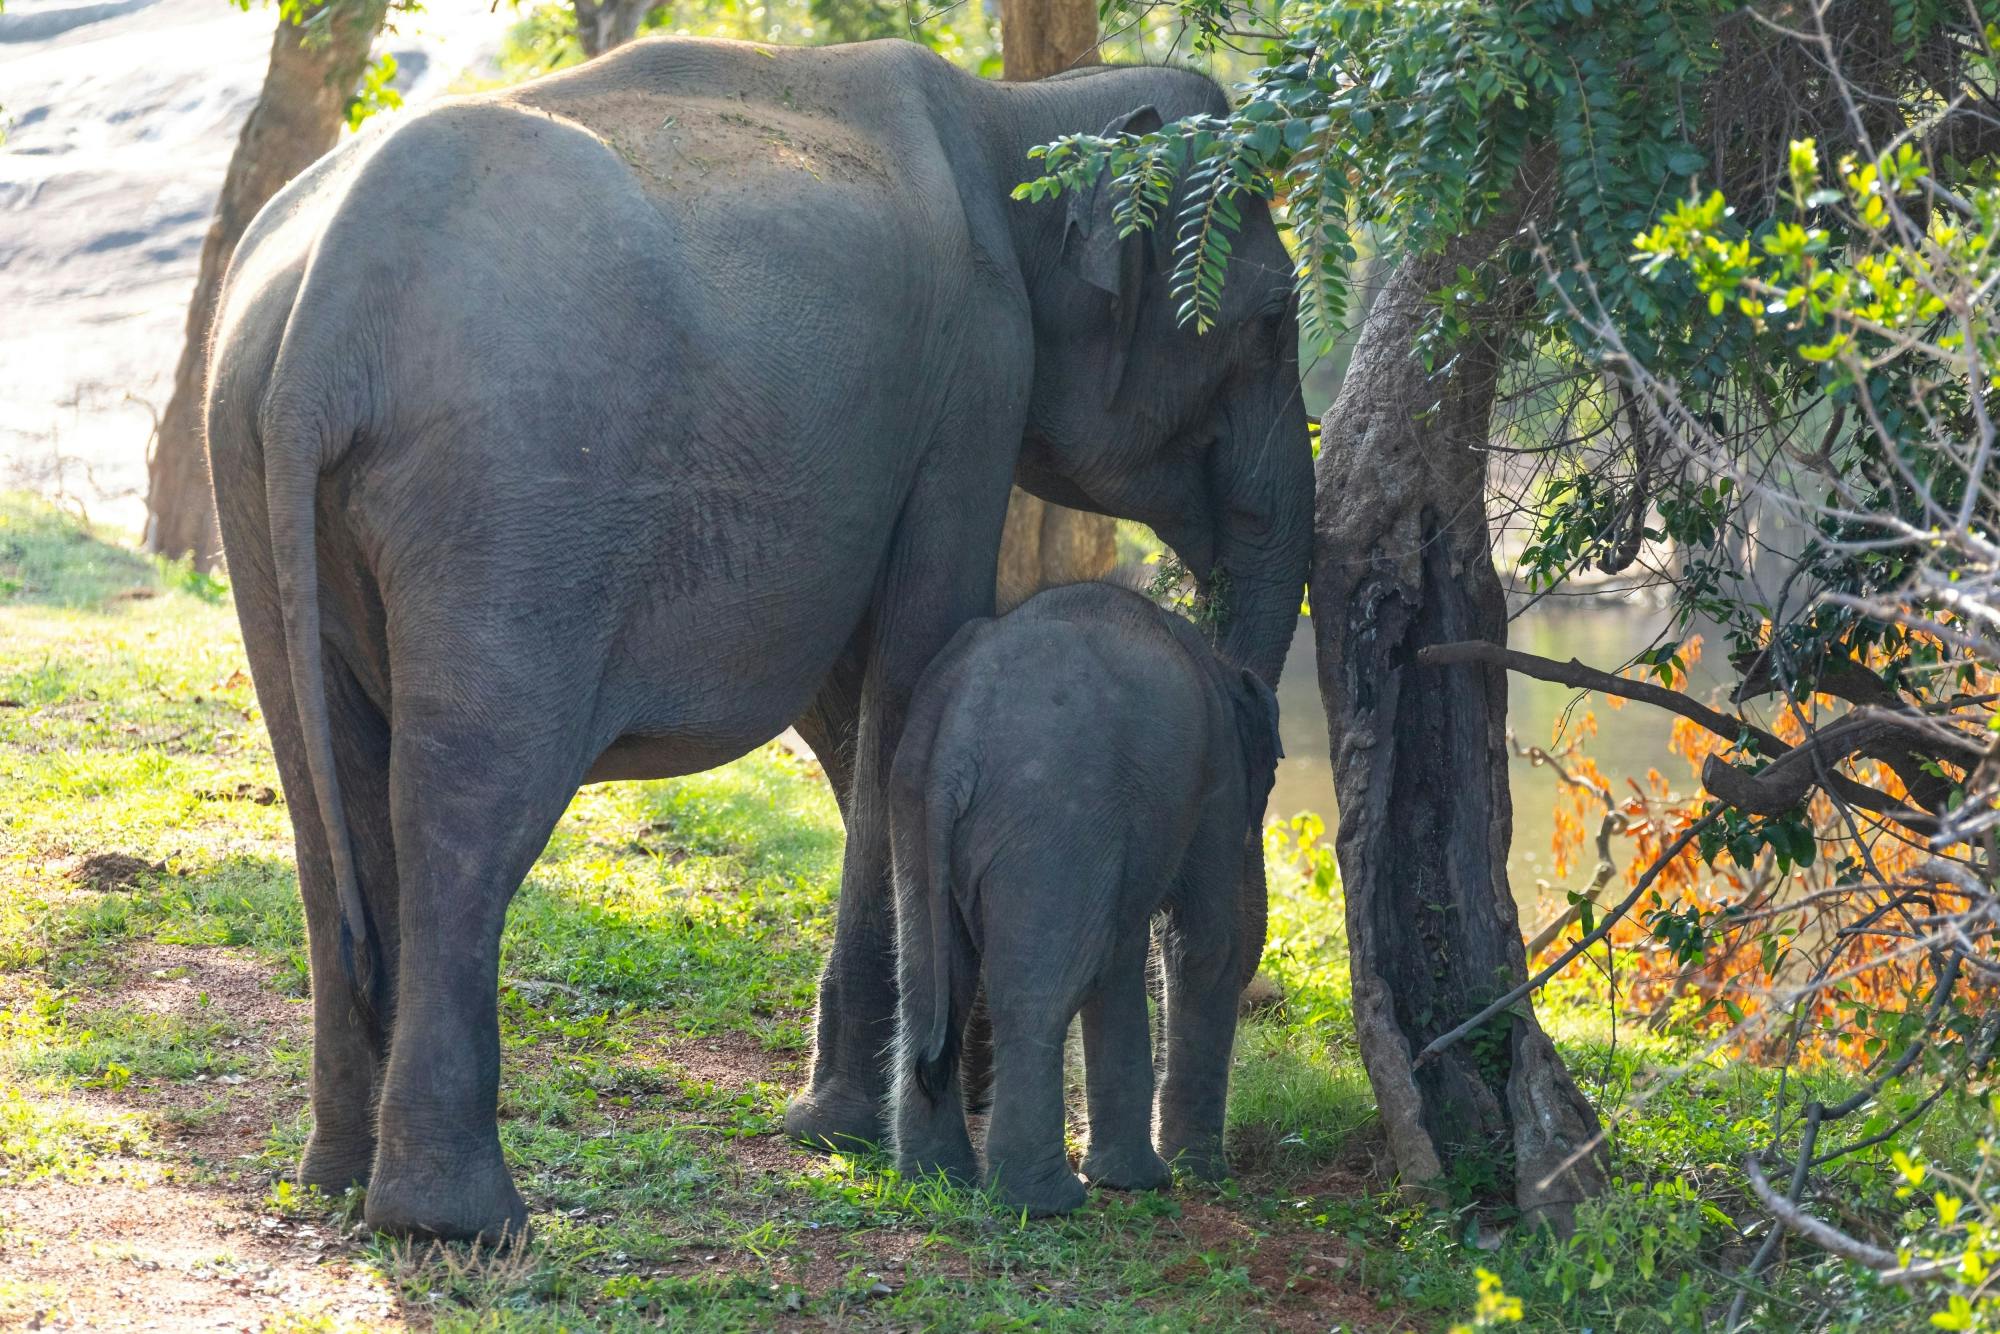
1135 414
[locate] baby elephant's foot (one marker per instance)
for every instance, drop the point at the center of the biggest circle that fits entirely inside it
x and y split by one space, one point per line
955 1165
1200 1158
1126 1167
1039 1194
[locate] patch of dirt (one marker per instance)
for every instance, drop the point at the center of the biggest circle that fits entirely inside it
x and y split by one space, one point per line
257 793
106 872
739 1063
193 982
766 1155
180 1240
1304 1279
217 1124
731 1061
1363 1169
160 1255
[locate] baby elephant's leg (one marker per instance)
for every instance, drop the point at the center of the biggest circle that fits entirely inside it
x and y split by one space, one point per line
1027 1166
930 1132
927 1116
1118 1075
1201 1032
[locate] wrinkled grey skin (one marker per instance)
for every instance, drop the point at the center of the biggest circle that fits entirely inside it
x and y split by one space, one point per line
601 427
1068 771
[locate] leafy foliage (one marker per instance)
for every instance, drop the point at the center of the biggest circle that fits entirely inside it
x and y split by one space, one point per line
1530 143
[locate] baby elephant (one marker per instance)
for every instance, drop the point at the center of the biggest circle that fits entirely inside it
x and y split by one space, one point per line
1067 772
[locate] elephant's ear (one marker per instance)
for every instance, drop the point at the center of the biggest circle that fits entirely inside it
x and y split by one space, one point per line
1257 728
1114 265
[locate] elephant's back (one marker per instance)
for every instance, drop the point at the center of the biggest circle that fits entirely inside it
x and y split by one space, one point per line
709 122
1081 689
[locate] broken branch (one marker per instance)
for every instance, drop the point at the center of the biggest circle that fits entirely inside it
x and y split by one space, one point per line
1580 677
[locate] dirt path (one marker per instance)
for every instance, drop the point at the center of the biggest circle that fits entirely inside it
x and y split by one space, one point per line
177 1237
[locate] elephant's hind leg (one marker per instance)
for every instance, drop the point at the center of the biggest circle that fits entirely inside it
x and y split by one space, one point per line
474 803
1033 988
347 1053
1118 1075
1027 1166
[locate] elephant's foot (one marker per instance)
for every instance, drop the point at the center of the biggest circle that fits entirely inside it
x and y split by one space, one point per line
1126 1167
337 1162
1199 1156
1037 1192
828 1116
954 1162
447 1197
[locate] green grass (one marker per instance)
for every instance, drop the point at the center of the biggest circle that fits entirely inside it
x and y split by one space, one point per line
657 983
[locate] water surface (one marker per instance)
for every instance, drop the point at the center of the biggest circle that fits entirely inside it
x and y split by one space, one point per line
1629 741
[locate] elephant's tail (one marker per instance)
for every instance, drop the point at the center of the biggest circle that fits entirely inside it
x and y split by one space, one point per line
298 445
934 1062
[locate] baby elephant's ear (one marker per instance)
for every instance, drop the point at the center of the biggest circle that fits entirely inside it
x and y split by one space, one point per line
1257 727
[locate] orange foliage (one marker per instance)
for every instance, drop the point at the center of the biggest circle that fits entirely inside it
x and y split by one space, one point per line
1786 927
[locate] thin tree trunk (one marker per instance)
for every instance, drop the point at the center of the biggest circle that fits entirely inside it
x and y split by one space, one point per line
1402 559
604 24
1044 545
297 118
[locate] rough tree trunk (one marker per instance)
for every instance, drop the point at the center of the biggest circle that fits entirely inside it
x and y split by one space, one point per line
297 118
1402 560
1044 545
1043 37
603 24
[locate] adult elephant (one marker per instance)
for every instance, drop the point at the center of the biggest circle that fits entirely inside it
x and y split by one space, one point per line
601 427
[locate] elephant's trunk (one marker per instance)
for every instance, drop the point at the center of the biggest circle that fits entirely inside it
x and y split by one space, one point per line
1261 490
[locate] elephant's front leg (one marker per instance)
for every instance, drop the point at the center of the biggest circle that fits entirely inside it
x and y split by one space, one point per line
846 1104
939 576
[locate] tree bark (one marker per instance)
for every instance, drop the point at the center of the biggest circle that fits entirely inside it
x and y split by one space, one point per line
1044 545
1043 37
604 24
1402 559
297 118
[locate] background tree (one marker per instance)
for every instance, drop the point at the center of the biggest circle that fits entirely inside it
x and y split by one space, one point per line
313 88
604 24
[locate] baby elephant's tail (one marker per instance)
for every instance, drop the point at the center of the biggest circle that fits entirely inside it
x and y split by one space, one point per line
938 964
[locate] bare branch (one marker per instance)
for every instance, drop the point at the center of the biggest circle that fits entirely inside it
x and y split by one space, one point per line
1576 674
